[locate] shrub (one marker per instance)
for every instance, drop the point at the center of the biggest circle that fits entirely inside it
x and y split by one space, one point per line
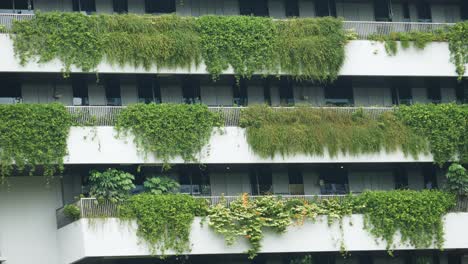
72 212
457 180
161 185
112 185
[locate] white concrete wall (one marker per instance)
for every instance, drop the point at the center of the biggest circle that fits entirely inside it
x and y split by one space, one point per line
112 238
28 229
228 147
363 58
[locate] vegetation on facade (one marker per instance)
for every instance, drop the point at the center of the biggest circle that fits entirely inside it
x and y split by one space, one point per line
456 37
445 126
161 185
112 185
457 180
319 131
168 130
305 48
72 212
33 138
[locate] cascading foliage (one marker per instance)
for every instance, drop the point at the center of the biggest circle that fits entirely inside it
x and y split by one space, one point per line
33 135
168 130
314 131
305 48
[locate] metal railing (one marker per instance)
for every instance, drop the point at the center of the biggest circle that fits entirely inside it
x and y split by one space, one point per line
91 208
364 29
107 115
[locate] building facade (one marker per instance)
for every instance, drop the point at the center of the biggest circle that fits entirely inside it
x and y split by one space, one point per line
32 228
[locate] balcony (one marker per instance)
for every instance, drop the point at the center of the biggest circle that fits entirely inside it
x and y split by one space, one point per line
109 237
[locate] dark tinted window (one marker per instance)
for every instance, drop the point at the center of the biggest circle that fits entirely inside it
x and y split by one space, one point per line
266 91
433 90
120 6
325 8
296 182
112 87
464 9
333 180
286 93
261 180
16 4
339 93
291 8
401 92
194 180
424 11
80 91
462 92
239 92
430 177
366 259
148 90
160 6
191 90
10 91
406 11
253 7
401 178
382 10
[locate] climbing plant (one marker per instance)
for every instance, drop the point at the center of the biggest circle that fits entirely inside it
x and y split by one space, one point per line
416 215
311 48
444 125
458 45
168 130
164 221
319 131
33 136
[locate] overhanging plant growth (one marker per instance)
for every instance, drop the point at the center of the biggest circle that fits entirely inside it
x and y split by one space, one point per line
168 130
305 48
315 131
33 135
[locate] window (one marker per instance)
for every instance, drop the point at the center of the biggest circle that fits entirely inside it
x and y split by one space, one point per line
160 6
382 10
10 92
194 181
424 11
286 93
324 258
462 92
406 12
430 177
401 92
296 182
191 90
84 6
464 9
239 92
266 91
291 8
454 258
334 180
80 91
261 180
433 90
149 90
339 93
366 259
325 8
253 7
17 5
120 6
401 178
112 87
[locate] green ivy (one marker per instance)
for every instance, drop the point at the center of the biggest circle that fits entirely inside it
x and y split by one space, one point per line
33 135
458 45
168 130
416 215
164 221
444 125
457 180
315 131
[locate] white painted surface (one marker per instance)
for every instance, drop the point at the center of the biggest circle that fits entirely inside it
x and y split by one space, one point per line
28 229
228 146
363 58
111 237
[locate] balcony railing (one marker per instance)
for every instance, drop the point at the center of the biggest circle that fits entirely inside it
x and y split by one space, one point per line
91 208
107 115
363 28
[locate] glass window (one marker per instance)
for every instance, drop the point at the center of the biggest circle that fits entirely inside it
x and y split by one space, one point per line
191 90
406 12
112 87
261 180
462 92
120 6
366 259
17 4
339 93
424 11
286 92
401 92
296 182
430 177
194 180
149 90
401 178
84 5
267 91
80 91
334 180
291 8
325 8
160 6
464 9
382 10
10 92
433 90
239 92
253 7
